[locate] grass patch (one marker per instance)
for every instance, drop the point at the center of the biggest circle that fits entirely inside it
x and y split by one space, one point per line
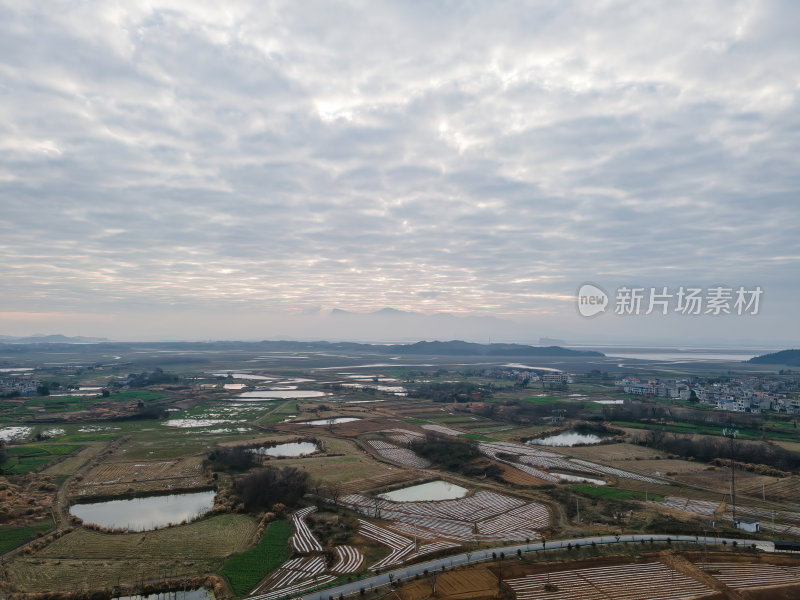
616 493
477 436
244 571
414 421
16 536
744 433
136 395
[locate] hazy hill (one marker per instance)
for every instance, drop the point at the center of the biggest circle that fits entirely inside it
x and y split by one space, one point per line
784 357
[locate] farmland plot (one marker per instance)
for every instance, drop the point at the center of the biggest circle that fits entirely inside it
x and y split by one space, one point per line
621 582
403 436
404 456
442 429
697 507
537 462
741 576
111 478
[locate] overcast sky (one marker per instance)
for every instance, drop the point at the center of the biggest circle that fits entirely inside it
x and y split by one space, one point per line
189 169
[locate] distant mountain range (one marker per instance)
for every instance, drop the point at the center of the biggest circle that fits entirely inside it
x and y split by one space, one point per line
450 348
50 339
784 357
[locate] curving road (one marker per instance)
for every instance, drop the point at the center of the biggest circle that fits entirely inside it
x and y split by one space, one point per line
510 551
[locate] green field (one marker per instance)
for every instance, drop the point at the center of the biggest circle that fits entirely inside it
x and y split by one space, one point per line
615 493
744 433
27 458
244 571
16 536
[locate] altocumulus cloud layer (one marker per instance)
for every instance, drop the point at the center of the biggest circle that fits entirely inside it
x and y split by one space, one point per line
197 158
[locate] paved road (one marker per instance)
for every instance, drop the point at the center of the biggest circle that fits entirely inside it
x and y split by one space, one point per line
510 551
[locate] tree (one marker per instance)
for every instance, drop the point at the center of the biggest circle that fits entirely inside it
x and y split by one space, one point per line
270 485
42 390
333 489
3 454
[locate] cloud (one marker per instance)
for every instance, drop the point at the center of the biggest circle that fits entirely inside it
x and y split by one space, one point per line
473 159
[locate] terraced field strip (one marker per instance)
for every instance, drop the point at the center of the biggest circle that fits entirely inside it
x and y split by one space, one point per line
494 449
404 456
698 507
403 436
612 471
292 572
430 548
649 581
764 513
741 576
294 590
442 429
399 545
403 549
348 559
304 541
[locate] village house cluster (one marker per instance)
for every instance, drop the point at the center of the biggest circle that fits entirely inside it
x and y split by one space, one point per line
754 394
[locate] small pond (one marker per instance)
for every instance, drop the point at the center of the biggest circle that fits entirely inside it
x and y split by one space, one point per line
8 434
433 490
333 421
269 394
287 449
579 479
567 438
142 514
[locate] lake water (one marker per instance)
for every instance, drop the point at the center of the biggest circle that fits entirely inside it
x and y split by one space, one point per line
433 490
287 449
567 438
243 376
335 421
282 394
143 514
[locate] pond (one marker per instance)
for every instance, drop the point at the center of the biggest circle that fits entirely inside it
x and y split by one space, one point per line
331 421
8 434
269 394
189 423
287 449
143 514
567 438
433 490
